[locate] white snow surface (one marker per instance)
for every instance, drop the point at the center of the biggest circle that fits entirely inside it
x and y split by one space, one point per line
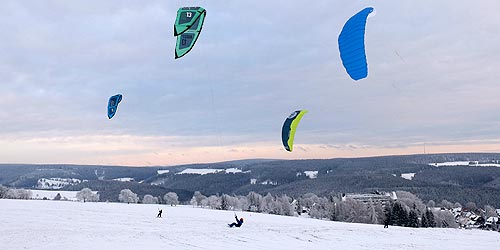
58 225
56 183
203 171
124 179
408 176
311 174
465 163
163 171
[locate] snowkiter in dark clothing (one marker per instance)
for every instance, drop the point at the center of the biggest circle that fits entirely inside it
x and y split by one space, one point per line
159 213
238 222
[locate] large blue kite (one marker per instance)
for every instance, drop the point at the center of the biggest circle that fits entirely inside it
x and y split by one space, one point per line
352 45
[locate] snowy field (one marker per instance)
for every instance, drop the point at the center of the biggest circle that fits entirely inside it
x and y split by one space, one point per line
58 225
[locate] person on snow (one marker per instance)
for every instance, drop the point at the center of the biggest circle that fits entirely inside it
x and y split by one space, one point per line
238 222
159 213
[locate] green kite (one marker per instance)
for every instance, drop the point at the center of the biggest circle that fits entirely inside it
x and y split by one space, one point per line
187 28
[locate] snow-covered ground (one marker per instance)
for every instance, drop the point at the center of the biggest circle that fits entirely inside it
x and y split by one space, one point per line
56 183
311 174
203 171
163 171
408 176
464 163
124 179
58 225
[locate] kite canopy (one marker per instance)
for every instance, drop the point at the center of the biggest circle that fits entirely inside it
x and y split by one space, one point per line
187 28
289 128
113 105
352 45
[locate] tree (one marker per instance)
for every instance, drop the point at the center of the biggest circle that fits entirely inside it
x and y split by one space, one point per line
471 206
18 194
399 215
254 200
198 198
424 222
224 202
445 218
149 199
372 213
126 195
412 219
430 218
58 197
213 202
388 214
490 211
431 203
268 204
284 205
86 194
446 204
3 192
171 198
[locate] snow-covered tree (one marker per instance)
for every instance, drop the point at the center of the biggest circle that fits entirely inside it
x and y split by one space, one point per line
411 201
285 205
372 213
198 198
243 203
254 200
268 204
171 198
224 202
86 194
18 194
126 195
3 192
319 209
444 218
213 202
149 199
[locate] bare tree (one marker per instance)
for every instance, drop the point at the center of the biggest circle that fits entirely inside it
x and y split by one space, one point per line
171 198
446 204
431 203
86 194
471 206
149 199
126 195
490 211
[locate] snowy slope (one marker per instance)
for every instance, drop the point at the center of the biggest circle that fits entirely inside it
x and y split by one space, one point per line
56 225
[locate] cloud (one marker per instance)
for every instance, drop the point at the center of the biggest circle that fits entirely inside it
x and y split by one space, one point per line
252 65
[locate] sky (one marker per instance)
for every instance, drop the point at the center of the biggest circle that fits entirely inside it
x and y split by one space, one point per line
432 84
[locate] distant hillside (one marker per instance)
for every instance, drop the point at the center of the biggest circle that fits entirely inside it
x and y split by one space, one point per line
476 182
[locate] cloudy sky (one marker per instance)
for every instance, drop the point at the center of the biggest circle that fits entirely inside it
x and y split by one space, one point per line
434 70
